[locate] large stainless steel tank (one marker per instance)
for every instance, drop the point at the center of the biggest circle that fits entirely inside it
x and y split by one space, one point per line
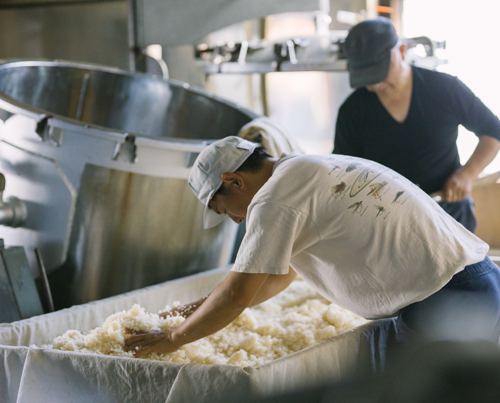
101 158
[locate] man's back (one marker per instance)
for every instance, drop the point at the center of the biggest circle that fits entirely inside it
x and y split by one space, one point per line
369 233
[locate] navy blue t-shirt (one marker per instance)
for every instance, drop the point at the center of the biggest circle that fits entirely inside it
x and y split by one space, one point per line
423 148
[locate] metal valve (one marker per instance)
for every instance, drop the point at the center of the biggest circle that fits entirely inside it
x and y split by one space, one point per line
13 211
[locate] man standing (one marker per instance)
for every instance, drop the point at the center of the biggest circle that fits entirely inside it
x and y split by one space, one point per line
407 118
361 235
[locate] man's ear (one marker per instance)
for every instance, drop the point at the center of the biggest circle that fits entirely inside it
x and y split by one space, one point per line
402 49
232 178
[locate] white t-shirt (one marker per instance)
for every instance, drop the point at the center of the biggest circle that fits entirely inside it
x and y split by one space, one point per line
362 235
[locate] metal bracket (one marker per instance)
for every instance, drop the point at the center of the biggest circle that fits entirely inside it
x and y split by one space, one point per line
10 310
126 151
291 51
47 132
4 115
243 52
22 285
42 126
285 51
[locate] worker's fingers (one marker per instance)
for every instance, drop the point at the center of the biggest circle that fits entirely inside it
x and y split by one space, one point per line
451 191
458 186
132 331
144 338
455 193
136 338
452 195
170 313
135 341
180 310
143 351
154 341
448 194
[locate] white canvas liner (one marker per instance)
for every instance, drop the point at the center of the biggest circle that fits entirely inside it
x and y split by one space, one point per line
31 374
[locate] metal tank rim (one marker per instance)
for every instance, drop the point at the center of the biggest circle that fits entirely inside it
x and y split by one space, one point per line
56 162
14 107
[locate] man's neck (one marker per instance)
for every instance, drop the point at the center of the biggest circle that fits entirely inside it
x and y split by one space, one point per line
267 170
403 87
254 181
397 102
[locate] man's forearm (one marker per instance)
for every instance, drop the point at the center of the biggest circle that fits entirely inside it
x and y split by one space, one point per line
484 153
204 322
222 306
184 309
274 284
212 313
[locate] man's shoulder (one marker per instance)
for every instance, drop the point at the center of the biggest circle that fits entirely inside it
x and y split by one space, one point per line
295 171
357 97
432 78
290 162
303 161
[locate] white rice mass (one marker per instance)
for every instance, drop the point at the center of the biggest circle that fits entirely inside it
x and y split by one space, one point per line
294 319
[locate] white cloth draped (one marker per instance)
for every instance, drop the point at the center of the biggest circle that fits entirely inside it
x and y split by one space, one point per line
271 135
32 374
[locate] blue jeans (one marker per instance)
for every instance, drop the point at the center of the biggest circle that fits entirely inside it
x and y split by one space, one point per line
463 212
466 308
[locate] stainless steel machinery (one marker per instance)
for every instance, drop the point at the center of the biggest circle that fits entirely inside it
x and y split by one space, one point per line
100 158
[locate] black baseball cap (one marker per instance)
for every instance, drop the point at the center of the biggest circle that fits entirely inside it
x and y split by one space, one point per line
368 51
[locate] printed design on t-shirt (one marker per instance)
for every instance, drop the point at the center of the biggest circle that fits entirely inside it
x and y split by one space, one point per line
334 168
357 208
381 210
365 178
400 198
337 190
398 195
352 166
376 189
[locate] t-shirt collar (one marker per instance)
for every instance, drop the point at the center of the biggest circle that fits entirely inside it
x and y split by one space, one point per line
284 157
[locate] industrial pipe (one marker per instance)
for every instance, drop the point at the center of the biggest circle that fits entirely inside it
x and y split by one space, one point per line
13 211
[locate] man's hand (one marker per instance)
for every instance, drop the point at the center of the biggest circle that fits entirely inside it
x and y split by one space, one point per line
154 341
180 310
458 186
184 310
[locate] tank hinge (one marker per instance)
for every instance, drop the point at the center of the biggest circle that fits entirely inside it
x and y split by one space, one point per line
126 151
47 132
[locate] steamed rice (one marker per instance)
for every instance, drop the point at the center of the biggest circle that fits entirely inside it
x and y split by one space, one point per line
291 321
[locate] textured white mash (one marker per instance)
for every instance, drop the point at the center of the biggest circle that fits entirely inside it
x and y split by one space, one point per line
294 319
